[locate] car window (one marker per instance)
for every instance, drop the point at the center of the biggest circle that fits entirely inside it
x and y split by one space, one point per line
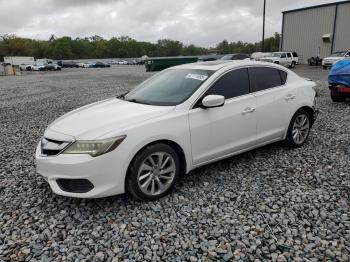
289 54
283 55
295 54
232 84
265 78
283 75
169 87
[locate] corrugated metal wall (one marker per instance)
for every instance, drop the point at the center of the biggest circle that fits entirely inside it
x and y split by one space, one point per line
303 31
342 32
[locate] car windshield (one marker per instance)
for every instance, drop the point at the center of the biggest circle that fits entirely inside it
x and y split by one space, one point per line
226 57
276 54
168 88
338 54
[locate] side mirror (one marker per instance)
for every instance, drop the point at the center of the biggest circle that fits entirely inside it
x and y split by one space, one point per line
211 101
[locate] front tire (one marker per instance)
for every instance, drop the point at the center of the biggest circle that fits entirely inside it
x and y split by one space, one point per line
153 172
299 129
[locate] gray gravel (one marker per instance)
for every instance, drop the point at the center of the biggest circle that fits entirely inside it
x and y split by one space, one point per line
272 203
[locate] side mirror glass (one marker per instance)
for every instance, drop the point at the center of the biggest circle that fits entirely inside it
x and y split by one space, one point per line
211 101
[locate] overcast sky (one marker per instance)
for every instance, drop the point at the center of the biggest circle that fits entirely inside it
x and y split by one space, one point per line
201 22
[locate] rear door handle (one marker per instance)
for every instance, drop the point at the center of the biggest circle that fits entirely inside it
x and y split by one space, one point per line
248 110
290 97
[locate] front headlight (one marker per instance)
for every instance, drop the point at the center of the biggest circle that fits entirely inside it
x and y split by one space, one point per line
94 147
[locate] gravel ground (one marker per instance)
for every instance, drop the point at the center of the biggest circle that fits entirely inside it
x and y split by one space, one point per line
272 203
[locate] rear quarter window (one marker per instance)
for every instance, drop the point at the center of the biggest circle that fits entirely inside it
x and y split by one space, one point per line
267 77
283 75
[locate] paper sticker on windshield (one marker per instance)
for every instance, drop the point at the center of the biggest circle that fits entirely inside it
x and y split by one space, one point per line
196 77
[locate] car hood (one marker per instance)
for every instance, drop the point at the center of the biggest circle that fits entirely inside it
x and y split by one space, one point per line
334 58
98 119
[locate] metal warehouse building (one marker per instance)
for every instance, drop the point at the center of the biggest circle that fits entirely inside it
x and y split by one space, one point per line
314 30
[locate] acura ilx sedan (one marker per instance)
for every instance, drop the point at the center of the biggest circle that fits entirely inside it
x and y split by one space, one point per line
179 119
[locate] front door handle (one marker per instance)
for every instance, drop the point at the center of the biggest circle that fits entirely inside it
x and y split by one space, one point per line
248 110
290 97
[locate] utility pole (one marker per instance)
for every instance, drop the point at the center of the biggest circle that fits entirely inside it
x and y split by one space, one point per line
263 35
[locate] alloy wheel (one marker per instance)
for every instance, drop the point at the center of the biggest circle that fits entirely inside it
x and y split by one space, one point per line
156 173
301 129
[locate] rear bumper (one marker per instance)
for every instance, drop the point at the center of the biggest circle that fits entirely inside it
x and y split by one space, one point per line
342 91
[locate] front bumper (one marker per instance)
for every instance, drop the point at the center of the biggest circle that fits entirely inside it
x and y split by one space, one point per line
105 172
328 63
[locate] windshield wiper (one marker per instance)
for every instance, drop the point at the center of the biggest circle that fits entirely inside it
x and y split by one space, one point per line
122 96
134 100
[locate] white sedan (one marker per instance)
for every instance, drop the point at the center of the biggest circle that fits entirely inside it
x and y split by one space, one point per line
179 119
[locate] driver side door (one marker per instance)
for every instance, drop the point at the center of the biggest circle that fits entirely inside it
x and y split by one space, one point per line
222 131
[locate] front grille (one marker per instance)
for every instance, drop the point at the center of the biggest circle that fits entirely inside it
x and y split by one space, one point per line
50 147
75 185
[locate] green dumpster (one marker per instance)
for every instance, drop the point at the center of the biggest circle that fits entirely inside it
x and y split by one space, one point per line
160 63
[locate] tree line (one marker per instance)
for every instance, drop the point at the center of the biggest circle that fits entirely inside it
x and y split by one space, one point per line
119 47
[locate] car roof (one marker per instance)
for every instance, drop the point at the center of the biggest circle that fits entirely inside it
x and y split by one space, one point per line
218 64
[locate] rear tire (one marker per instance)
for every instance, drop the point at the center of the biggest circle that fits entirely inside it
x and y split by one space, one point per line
336 97
325 67
153 172
292 65
299 129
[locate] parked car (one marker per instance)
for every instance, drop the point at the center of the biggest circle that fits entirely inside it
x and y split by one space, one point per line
180 119
123 62
289 59
334 57
88 65
38 68
339 81
101 65
25 67
114 62
132 62
140 61
70 64
235 57
52 67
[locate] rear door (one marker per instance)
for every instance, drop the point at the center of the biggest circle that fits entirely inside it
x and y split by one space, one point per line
218 132
272 97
